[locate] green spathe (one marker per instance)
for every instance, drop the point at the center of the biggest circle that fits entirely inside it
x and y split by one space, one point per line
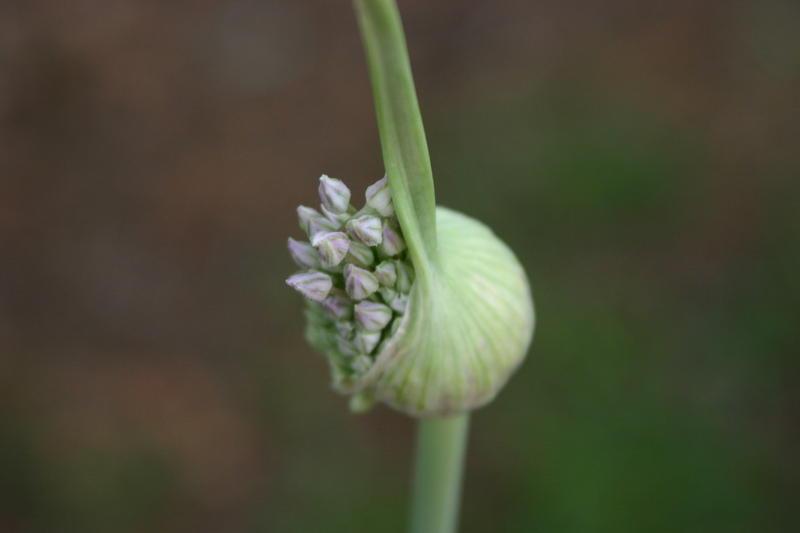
467 328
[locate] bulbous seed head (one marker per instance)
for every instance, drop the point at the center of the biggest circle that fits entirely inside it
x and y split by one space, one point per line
334 194
383 333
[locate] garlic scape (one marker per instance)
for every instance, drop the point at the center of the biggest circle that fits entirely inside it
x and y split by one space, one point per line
417 306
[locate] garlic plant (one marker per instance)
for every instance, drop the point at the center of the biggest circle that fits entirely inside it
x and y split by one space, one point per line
419 307
442 344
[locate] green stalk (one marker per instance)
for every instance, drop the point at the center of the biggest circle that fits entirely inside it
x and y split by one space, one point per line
441 442
405 150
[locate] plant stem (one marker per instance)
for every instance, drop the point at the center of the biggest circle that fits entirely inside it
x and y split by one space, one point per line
441 444
442 441
405 149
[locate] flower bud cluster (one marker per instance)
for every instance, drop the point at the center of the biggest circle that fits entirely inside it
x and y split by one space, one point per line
355 275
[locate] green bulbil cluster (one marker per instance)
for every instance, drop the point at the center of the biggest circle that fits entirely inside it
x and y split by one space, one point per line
355 276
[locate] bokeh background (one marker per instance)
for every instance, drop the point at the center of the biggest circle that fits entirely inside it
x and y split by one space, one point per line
641 158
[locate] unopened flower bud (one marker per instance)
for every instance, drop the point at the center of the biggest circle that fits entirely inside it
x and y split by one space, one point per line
332 247
386 272
367 229
305 215
379 197
318 225
360 255
303 254
338 219
372 316
313 285
334 194
359 283
405 277
399 303
366 341
388 294
338 305
392 243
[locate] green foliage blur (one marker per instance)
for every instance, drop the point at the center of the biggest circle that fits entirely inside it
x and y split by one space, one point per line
641 159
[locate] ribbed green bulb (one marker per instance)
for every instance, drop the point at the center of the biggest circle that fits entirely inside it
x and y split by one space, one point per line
466 330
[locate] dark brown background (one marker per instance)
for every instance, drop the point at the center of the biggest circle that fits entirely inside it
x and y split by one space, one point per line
641 158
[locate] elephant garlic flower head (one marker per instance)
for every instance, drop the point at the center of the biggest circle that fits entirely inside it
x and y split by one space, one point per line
428 336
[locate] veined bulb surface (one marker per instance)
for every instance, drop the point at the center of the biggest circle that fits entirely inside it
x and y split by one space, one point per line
434 344
464 334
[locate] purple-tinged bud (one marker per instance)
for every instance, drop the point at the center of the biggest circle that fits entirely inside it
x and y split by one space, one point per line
361 364
303 254
367 229
313 285
372 316
338 305
399 303
379 197
392 243
360 254
334 194
338 219
306 215
386 272
332 247
318 225
366 341
405 277
388 294
359 283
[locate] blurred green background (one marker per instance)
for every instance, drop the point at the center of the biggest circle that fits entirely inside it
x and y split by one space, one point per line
640 157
